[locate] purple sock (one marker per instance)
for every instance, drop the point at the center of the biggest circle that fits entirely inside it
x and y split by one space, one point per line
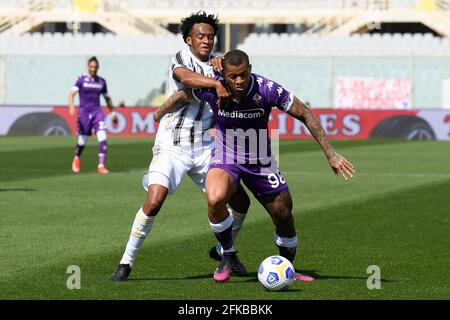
102 149
78 150
225 238
223 232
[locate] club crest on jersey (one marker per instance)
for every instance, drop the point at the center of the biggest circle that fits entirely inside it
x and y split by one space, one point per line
257 98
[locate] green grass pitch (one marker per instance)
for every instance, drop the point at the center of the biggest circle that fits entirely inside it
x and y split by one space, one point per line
394 214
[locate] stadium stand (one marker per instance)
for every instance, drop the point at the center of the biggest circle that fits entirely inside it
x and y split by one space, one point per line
47 64
89 43
135 16
47 79
356 45
134 56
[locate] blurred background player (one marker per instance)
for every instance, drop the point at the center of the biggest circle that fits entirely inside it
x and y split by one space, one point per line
90 116
183 145
232 162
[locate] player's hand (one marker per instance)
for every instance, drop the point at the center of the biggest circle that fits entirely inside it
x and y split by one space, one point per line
223 95
115 121
217 64
157 116
341 166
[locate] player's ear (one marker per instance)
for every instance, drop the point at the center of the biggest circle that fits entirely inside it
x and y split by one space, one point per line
189 40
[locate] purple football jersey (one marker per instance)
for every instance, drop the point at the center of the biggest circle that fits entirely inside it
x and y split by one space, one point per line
90 89
242 126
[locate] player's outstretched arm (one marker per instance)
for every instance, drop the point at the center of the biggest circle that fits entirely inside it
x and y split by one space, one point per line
341 166
172 103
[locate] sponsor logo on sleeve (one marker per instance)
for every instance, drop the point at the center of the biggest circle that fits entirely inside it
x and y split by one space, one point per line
287 102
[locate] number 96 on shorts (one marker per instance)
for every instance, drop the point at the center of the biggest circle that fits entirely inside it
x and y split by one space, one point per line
275 179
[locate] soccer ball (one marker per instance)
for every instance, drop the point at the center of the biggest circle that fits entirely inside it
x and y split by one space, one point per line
276 273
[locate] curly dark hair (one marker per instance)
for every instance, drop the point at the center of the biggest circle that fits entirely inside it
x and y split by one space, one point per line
199 17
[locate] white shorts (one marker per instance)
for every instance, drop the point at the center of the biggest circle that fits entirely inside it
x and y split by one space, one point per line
170 165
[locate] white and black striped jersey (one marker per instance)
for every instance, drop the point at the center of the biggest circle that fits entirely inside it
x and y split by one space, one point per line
187 125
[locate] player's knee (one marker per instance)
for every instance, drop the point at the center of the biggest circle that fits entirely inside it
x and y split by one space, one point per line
286 201
101 135
152 205
82 140
216 199
284 217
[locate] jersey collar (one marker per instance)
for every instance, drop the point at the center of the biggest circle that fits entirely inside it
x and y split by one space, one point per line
251 84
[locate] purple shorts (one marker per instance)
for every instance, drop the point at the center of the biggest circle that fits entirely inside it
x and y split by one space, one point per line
90 121
261 181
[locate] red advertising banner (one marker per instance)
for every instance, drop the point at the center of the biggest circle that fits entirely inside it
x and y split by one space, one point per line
338 123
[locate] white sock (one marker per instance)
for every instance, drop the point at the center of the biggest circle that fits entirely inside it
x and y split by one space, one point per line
141 227
238 219
285 242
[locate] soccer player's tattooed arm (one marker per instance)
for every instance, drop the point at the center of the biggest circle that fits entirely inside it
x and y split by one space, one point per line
193 79
341 166
173 103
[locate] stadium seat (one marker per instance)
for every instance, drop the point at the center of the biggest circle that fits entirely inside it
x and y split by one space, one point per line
306 64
